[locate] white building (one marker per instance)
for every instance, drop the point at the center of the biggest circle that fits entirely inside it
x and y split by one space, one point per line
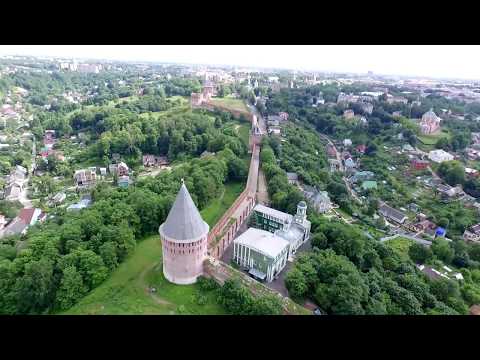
440 156
263 253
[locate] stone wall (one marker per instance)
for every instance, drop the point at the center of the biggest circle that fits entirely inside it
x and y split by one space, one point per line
220 272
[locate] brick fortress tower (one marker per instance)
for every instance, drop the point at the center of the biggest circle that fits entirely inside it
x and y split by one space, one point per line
184 237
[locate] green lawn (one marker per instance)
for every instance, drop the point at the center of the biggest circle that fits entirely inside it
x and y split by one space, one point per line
231 103
213 212
244 133
401 246
125 291
431 140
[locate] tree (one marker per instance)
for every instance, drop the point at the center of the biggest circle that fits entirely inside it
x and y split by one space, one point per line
441 248
296 284
267 305
452 171
71 288
419 253
443 143
33 291
443 289
235 298
108 252
237 169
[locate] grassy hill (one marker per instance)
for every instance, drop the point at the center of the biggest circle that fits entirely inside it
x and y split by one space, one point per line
126 291
230 103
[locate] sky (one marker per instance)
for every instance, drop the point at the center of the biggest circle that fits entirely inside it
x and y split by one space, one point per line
446 61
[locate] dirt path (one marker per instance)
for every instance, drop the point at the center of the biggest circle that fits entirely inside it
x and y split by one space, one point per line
155 297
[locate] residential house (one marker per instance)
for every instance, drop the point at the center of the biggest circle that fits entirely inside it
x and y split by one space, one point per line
471 172
440 156
361 148
85 177
418 164
348 114
320 200
292 178
331 151
16 227
59 198
392 214
13 191
273 123
349 164
30 216
274 131
335 165
25 219
347 142
425 226
448 192
397 114
49 138
122 169
112 168
362 176
82 204
472 234
123 181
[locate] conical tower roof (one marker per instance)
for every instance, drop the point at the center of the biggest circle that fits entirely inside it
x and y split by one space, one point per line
184 222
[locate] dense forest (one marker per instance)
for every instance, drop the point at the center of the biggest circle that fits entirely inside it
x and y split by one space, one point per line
349 273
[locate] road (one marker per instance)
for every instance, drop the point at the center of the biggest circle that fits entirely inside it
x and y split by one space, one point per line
262 192
339 158
342 169
22 197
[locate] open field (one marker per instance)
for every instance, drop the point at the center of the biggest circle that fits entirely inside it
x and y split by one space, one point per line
234 104
126 291
401 246
212 213
431 140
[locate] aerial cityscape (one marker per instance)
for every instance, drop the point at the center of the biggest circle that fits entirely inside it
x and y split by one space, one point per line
152 187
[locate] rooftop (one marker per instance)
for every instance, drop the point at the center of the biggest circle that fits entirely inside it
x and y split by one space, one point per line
262 241
273 212
184 222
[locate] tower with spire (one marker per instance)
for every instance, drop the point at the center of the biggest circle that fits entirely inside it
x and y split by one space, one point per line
184 237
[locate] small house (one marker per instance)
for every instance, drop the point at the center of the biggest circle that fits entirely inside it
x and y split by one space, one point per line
292 178
392 214
122 169
124 181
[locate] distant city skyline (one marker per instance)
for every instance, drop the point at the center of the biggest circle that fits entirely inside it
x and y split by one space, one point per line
438 61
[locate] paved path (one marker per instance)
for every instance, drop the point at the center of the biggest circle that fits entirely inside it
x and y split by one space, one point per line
417 240
262 192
